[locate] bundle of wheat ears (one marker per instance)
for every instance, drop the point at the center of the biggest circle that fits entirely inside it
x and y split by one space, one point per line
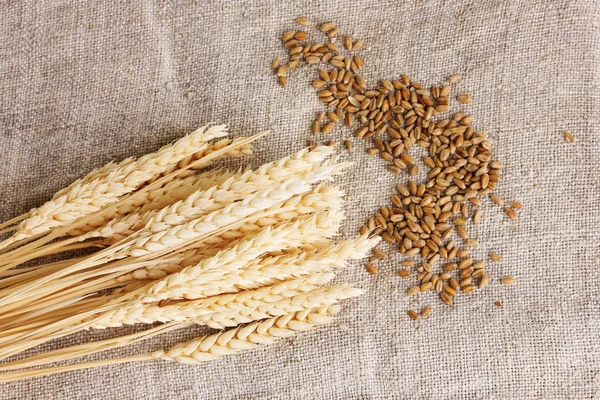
173 244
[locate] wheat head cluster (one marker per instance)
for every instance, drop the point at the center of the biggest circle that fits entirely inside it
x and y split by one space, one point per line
172 242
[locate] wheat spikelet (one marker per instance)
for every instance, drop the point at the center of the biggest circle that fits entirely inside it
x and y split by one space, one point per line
95 174
188 283
88 197
247 336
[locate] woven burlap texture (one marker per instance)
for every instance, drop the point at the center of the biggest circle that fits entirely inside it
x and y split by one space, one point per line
82 83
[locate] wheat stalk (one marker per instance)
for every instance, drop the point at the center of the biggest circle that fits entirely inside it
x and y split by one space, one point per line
88 197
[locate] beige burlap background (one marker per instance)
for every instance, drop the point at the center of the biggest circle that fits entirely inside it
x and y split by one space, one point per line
82 83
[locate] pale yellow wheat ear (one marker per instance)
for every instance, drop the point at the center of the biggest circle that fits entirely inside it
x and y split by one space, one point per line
188 283
307 165
207 348
172 191
88 197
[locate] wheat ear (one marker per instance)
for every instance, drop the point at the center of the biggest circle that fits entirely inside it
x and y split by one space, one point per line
189 282
319 199
172 191
89 197
269 270
233 309
304 164
209 347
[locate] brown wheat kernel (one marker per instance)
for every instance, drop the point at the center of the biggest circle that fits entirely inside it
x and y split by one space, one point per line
511 213
348 42
332 33
275 64
446 298
333 117
303 21
426 286
326 27
413 315
348 119
300 36
464 99
283 81
477 216
371 269
408 263
495 257
288 36
357 45
425 312
413 290
498 304
372 151
348 145
569 137
316 127
516 205
469 289
331 47
485 280
281 71
454 78
508 280
497 200
328 128
331 142
318 83
404 273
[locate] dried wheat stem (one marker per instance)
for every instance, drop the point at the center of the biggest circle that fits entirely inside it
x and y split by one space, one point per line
90 348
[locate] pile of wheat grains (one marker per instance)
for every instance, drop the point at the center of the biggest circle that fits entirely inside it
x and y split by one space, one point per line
427 221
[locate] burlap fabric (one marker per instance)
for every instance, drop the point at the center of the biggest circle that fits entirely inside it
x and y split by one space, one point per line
83 83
